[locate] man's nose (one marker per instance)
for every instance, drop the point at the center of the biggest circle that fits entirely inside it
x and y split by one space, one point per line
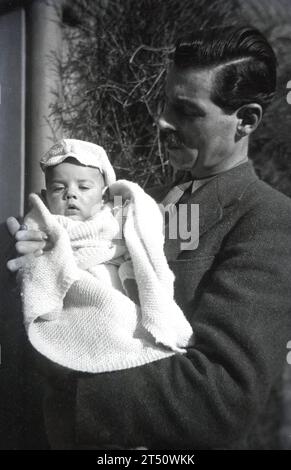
165 123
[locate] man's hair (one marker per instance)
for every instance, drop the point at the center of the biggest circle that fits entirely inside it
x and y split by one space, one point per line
246 64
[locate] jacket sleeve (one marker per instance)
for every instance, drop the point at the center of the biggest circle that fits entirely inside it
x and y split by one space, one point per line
210 397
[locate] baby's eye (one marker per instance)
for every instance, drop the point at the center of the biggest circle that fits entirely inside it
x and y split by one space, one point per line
57 189
84 187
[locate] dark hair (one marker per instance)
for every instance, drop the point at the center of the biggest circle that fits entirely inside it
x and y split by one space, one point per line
248 72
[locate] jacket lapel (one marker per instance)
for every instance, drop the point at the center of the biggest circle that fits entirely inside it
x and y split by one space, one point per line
215 199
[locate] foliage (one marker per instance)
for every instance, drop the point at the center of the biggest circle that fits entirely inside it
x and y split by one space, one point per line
113 74
271 144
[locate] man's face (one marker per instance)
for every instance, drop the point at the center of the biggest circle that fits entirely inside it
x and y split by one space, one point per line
200 137
74 190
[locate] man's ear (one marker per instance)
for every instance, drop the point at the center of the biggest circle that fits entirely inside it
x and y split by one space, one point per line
249 117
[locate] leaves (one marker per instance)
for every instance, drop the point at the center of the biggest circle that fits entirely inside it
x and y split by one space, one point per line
113 73
271 143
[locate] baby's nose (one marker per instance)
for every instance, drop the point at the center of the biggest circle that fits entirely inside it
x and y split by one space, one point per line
71 193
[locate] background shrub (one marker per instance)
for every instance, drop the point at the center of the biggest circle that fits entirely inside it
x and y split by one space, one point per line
113 70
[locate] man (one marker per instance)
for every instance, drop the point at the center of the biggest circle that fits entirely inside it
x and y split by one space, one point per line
234 288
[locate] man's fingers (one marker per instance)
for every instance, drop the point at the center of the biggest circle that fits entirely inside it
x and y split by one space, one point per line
12 225
23 235
28 243
15 264
28 247
38 253
30 235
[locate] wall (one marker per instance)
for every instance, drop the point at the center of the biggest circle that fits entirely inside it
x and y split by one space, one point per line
12 96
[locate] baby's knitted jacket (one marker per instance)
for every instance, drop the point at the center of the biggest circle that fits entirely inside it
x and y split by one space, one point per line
76 319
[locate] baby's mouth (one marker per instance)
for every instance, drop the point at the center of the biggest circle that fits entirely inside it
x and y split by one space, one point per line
71 209
72 206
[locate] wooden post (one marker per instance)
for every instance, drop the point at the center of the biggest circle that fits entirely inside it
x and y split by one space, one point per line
44 40
12 95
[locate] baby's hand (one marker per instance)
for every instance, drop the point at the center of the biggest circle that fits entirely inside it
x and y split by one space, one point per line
119 189
27 242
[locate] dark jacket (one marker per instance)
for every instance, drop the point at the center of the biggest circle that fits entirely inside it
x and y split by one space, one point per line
21 421
235 290
12 340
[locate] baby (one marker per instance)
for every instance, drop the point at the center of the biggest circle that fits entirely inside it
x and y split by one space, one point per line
78 310
76 175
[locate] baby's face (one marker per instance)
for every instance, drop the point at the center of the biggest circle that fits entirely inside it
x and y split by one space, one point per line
74 190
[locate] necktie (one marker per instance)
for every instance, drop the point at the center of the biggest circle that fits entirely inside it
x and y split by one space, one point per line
175 194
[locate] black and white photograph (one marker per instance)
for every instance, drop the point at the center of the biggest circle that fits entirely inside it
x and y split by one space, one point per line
145 229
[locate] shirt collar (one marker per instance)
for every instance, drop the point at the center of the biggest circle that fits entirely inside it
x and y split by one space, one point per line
177 191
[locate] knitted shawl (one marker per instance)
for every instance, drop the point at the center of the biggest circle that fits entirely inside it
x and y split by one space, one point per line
79 321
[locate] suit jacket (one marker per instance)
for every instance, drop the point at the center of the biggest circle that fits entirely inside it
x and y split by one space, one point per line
11 340
21 422
235 290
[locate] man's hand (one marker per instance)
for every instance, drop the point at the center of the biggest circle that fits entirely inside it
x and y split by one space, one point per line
27 242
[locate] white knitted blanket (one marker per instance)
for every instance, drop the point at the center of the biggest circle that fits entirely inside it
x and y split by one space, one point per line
79 321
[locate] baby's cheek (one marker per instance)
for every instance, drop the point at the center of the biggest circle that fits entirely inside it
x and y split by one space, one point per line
55 206
89 209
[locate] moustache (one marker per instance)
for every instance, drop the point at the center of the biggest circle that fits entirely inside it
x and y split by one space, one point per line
171 139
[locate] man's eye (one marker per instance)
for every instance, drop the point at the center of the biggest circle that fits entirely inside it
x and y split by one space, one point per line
190 113
186 112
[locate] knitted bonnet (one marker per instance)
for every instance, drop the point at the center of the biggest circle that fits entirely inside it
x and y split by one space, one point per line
86 153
